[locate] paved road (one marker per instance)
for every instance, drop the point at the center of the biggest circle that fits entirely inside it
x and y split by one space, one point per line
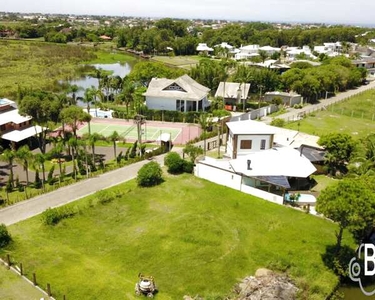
27 209
292 114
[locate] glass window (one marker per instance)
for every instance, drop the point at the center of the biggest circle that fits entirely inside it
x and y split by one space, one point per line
262 144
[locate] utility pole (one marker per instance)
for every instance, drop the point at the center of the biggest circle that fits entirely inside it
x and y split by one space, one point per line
260 95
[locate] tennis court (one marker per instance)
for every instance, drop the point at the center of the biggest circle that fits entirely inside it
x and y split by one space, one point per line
129 131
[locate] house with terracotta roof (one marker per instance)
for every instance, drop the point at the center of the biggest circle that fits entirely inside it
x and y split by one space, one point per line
182 94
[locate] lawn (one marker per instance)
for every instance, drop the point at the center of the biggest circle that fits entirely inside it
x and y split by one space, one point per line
322 181
353 116
40 65
193 236
13 287
178 61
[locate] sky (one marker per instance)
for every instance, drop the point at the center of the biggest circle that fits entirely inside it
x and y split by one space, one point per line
319 11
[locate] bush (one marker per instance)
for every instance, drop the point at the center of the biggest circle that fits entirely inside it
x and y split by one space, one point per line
52 216
188 166
174 163
50 178
149 175
5 237
278 122
37 182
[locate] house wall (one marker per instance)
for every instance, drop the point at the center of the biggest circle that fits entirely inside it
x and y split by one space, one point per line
160 103
287 100
232 180
256 143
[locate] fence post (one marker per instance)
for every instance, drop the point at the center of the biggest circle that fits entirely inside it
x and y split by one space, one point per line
8 261
64 298
21 269
34 279
49 290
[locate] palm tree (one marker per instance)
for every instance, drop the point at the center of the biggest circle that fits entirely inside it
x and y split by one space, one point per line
204 120
93 138
57 150
8 156
114 137
39 160
73 143
73 89
24 156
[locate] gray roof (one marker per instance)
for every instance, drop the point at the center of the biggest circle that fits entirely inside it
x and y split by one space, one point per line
231 89
190 89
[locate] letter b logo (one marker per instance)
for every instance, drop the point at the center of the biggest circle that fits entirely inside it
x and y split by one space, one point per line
369 260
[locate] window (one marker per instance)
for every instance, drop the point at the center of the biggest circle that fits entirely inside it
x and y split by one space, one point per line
180 105
262 144
246 144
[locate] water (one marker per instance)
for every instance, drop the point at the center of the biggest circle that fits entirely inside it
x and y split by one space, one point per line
117 69
355 293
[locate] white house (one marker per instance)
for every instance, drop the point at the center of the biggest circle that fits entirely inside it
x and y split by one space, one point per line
245 137
182 94
14 127
270 50
233 92
202 47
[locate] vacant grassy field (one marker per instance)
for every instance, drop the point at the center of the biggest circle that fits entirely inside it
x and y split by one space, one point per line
41 65
353 116
185 62
193 236
13 287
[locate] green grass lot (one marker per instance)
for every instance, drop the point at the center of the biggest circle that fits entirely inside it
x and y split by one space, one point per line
125 131
193 236
345 117
40 65
13 287
185 62
111 58
323 181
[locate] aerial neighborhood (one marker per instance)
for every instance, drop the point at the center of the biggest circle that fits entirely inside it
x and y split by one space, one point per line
184 158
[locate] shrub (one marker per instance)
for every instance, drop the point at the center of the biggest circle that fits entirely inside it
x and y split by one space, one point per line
278 122
37 182
52 216
174 163
149 175
5 237
188 166
105 197
50 178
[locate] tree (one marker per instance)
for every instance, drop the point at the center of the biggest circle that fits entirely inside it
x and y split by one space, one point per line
72 116
192 151
339 147
263 55
5 237
204 120
149 175
351 204
24 156
8 156
114 137
174 163
39 160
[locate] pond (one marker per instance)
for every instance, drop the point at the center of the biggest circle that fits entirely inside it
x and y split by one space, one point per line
117 69
355 293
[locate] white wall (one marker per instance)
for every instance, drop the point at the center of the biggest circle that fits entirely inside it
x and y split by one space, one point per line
262 194
218 176
160 103
256 141
231 180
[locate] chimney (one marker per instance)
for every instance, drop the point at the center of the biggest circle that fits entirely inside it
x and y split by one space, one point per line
248 164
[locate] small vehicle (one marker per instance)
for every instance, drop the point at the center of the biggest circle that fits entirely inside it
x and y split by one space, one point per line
145 286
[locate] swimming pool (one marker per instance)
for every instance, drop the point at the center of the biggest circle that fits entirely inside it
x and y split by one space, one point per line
304 198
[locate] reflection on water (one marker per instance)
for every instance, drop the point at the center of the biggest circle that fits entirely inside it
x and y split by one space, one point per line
88 81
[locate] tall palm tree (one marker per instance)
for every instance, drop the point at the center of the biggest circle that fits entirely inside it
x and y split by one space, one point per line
73 89
57 150
73 143
39 160
24 156
204 120
8 156
93 138
114 137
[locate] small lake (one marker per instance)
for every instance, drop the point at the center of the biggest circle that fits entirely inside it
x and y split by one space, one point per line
355 293
117 69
